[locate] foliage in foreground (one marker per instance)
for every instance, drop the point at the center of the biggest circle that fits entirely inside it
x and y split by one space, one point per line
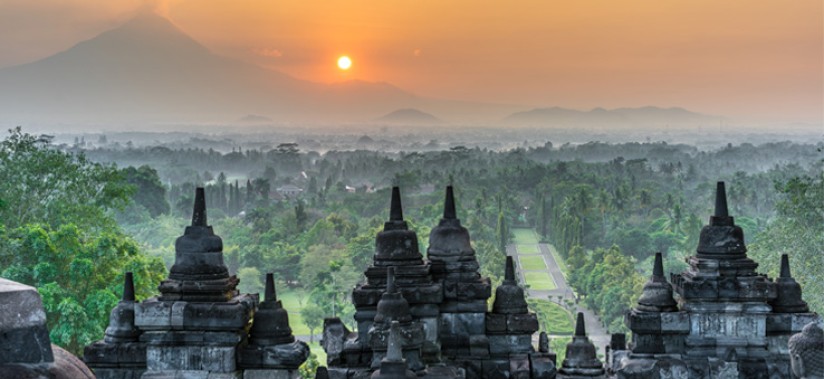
58 236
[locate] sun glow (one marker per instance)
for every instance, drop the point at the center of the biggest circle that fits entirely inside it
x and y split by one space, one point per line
344 63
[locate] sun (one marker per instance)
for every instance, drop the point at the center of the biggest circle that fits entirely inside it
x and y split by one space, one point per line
344 63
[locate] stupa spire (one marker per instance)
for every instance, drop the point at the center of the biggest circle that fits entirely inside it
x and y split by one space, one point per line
658 267
721 201
396 209
270 293
509 274
449 205
785 266
580 326
128 287
199 212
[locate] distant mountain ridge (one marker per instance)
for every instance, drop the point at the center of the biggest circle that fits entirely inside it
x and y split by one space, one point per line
649 115
410 116
150 69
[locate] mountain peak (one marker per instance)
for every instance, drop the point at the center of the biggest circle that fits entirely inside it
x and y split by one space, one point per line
409 115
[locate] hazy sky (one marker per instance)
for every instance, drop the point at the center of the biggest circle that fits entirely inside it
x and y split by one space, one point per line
741 58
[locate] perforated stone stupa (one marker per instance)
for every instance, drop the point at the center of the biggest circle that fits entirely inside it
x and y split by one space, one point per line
199 326
440 306
729 321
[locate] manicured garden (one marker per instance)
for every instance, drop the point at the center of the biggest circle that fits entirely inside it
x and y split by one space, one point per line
528 249
532 262
554 319
525 236
540 281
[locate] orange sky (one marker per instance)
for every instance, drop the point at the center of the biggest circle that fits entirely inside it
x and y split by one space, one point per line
750 60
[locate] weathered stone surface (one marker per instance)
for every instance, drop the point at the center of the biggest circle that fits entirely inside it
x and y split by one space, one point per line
271 374
154 314
807 352
526 323
287 356
581 360
509 297
505 344
127 354
220 359
271 322
733 322
542 366
190 374
24 337
788 291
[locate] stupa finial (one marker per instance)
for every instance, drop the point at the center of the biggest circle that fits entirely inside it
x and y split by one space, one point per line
270 293
785 266
396 209
580 327
199 212
721 201
128 287
449 204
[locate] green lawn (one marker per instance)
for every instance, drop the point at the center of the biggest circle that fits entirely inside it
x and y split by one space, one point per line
535 262
525 236
290 300
539 281
528 249
554 318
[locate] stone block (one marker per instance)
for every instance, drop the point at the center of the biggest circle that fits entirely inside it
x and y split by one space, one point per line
420 311
450 289
332 340
284 356
128 354
644 322
473 368
118 373
467 323
495 323
180 315
495 368
503 345
271 374
24 337
675 322
193 358
521 323
338 372
178 338
479 346
190 374
542 366
474 290
519 367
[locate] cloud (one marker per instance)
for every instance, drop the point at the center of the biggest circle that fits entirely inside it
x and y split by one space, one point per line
417 52
268 52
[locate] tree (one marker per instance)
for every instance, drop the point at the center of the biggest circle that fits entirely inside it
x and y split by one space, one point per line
149 191
43 185
79 277
313 318
797 232
58 235
503 235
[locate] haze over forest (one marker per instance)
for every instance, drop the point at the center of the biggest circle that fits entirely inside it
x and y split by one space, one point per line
579 138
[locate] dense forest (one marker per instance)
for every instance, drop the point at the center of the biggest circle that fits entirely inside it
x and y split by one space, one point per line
74 217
